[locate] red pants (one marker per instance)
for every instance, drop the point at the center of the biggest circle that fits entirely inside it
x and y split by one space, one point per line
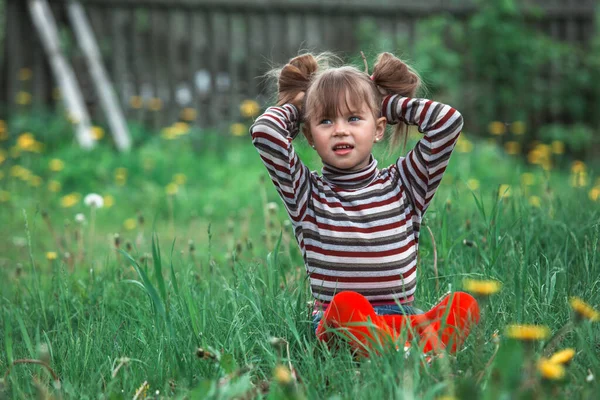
445 326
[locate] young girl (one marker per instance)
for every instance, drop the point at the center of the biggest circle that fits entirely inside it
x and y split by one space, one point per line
358 225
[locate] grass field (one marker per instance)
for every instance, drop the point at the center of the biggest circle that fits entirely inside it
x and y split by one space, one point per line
188 282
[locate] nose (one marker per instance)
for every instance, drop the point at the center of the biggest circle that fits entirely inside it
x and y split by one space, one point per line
340 129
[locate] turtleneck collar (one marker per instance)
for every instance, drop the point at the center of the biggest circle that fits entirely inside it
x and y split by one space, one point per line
350 179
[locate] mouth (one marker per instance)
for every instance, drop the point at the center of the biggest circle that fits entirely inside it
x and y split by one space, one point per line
342 148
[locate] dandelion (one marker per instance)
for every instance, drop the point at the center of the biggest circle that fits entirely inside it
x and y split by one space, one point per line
129 224
473 184
512 148
56 165
578 166
550 370
25 74
482 287
504 191
97 132
79 218
497 128
594 193
54 186
535 201
26 141
527 179
179 179
155 104
188 114
583 310
282 375
135 102
563 357
94 200
238 129
70 200
557 146
172 189
517 128
51 256
249 108
23 98
579 179
4 196
109 201
527 332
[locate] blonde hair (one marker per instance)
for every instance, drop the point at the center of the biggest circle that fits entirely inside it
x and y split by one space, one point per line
324 83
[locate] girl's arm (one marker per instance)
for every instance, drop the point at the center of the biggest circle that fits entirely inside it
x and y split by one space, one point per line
272 135
422 169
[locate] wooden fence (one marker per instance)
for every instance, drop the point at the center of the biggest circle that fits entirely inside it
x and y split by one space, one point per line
167 55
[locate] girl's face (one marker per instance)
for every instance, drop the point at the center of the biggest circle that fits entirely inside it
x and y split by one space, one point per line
345 141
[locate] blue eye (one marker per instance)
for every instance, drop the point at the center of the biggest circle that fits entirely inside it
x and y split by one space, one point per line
325 121
354 119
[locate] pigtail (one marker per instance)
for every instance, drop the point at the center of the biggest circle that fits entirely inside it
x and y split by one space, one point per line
295 77
393 76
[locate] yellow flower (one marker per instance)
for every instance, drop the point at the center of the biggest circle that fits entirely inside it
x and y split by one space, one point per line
172 189
527 332
558 147
129 224
51 255
25 141
527 179
504 191
25 74
155 104
179 179
109 201
4 196
56 165
517 127
97 132
282 375
595 193
482 287
249 108
473 184
188 114
135 102
584 310
579 179
464 145
577 166
563 357
23 98
512 148
238 129
550 370
497 128
35 181
70 200
54 186
535 201
121 176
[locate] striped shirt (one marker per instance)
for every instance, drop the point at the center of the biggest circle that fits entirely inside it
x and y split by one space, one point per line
359 230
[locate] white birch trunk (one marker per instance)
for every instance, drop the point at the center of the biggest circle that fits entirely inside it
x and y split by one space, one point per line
41 14
108 99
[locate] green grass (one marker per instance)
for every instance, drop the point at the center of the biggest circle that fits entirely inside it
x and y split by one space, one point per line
112 319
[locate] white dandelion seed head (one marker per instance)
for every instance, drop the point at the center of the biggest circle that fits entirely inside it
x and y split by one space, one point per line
590 376
272 206
80 218
94 200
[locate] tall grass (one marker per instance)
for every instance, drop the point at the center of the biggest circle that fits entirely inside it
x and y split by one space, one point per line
227 315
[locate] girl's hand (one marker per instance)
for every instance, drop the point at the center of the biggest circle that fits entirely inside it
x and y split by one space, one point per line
298 101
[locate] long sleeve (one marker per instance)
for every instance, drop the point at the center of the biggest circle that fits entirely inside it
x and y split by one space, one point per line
422 169
272 135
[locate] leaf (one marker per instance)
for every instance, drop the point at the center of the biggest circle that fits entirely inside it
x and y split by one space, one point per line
157 261
228 363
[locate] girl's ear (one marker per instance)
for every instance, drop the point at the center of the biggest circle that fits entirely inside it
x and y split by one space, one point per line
380 125
307 134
